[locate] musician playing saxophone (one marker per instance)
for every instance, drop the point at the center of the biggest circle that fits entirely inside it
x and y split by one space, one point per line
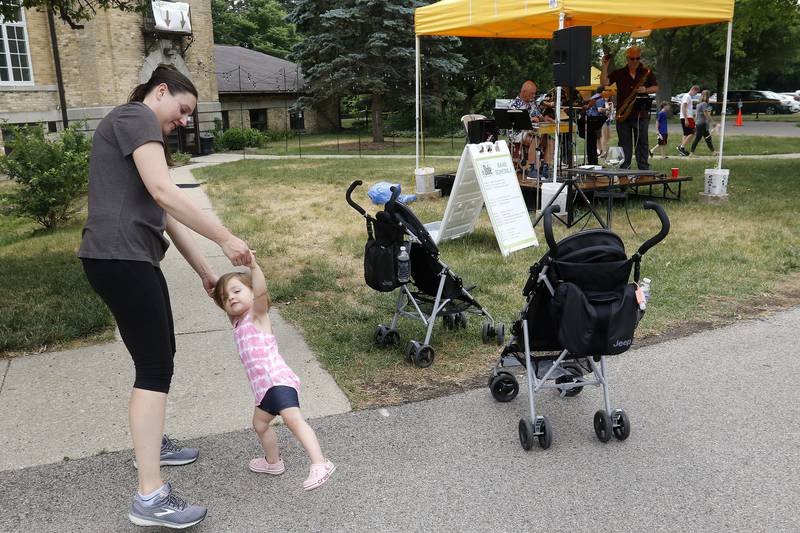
634 83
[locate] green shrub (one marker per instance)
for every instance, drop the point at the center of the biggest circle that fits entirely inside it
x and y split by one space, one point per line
52 174
238 138
181 158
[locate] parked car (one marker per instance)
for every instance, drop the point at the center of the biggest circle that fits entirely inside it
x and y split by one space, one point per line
676 101
765 102
792 100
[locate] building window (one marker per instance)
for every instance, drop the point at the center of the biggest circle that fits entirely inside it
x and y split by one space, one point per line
258 119
15 59
226 121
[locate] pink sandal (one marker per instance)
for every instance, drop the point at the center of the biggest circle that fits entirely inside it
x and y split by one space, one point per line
261 466
318 474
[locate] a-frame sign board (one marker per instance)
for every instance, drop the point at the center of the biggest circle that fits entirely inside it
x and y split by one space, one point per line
486 175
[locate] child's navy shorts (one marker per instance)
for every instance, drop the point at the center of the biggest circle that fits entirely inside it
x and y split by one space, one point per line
278 398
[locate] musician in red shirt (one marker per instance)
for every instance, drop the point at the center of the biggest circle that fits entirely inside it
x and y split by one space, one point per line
634 83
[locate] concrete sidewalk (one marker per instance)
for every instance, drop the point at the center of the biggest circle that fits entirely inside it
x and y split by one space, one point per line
74 403
713 448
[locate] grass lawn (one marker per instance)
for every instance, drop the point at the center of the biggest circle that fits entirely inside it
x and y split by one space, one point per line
351 145
41 287
719 263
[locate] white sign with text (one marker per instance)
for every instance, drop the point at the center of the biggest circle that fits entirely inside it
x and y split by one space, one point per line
486 175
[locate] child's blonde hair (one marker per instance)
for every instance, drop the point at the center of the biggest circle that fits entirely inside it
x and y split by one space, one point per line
221 289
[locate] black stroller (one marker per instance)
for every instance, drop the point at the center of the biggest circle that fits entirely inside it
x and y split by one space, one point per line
580 307
439 292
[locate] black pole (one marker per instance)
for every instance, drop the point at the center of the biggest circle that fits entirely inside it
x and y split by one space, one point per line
285 111
241 109
62 100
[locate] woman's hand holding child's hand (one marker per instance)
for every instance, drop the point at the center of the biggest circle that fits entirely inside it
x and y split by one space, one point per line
237 251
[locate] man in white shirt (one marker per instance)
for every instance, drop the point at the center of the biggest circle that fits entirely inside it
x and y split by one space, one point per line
687 119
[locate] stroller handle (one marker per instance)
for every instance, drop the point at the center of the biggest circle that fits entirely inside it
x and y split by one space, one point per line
350 201
548 229
395 194
662 216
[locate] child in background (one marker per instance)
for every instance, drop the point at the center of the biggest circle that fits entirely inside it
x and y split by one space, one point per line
661 122
275 386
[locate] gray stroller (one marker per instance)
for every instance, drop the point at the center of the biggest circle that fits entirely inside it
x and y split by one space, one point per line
433 290
580 308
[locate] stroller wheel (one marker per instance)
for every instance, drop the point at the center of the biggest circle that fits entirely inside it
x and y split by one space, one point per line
449 322
602 425
423 356
500 331
622 426
545 432
525 434
392 338
380 335
504 386
486 332
411 348
461 319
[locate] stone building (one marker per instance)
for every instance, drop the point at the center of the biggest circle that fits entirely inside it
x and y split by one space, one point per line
261 91
99 66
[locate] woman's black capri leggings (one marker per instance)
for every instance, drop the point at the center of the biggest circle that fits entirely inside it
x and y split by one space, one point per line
137 295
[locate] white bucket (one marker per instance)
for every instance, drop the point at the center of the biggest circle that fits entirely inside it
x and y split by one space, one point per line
716 181
424 180
549 189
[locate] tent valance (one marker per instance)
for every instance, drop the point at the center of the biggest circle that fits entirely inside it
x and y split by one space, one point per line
535 19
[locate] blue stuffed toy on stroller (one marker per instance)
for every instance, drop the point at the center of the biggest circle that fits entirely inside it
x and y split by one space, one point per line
580 305
428 288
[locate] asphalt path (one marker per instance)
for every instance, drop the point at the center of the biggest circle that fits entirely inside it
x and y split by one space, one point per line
750 126
713 448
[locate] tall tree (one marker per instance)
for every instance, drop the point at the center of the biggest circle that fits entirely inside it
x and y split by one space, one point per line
256 24
367 47
498 67
765 48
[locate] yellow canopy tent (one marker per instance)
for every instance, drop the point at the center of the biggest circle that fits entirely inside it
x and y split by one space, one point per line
538 19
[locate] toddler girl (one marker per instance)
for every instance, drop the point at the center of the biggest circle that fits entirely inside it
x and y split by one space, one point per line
244 298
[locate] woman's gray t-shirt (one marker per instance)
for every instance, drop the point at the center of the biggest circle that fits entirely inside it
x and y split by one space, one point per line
124 221
699 114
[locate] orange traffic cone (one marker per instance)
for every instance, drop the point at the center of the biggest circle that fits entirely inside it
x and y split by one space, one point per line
739 117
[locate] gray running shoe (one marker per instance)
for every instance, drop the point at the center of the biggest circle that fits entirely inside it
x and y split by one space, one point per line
168 510
173 454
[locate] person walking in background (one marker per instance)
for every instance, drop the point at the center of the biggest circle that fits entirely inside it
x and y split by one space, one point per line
275 386
704 123
687 118
132 201
662 129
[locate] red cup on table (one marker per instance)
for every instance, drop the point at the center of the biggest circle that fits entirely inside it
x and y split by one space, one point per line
674 172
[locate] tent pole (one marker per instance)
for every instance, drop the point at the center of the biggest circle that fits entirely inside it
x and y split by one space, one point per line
725 93
417 97
556 135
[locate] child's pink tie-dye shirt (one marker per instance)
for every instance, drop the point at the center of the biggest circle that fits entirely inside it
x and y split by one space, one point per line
263 364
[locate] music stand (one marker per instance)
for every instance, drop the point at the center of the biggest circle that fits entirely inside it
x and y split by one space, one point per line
512 119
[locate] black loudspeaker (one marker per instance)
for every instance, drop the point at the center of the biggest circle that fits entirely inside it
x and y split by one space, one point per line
572 51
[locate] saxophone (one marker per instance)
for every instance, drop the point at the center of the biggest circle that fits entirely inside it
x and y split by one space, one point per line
625 108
